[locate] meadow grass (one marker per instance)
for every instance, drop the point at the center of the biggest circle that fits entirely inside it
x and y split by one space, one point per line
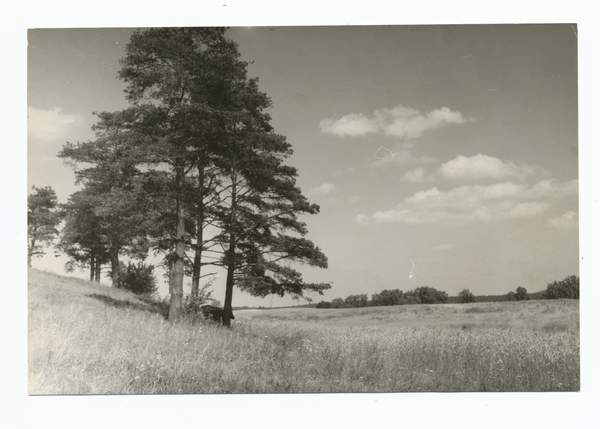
90 339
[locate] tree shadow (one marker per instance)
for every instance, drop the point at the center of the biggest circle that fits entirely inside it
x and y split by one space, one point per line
125 303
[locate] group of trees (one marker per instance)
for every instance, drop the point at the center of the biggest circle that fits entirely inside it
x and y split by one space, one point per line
566 288
192 166
421 295
519 295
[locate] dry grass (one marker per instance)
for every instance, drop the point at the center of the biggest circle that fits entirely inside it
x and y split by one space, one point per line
89 339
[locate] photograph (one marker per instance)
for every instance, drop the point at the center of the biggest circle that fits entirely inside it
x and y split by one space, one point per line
303 209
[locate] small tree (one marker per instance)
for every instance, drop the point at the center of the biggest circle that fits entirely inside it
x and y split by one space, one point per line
521 294
138 278
43 217
465 296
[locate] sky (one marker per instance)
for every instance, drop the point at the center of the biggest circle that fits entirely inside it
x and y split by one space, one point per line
442 156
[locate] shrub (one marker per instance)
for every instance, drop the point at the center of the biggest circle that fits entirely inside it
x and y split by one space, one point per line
429 295
192 306
138 278
465 296
338 303
566 288
387 297
324 304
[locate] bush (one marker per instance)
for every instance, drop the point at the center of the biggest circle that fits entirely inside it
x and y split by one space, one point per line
324 304
338 303
465 296
566 288
429 295
387 297
138 278
193 306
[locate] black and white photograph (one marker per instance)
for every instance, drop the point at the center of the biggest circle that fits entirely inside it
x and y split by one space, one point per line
248 210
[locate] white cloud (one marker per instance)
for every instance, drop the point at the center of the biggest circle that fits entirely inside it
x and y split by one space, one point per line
362 219
566 221
353 124
400 122
384 156
324 189
528 209
482 166
52 126
475 203
419 175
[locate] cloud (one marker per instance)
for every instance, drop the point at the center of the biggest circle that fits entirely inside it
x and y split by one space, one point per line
324 189
482 166
384 156
363 219
419 175
566 221
528 209
400 122
478 203
51 125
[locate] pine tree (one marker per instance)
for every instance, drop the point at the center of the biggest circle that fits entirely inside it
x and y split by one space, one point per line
261 208
43 218
111 215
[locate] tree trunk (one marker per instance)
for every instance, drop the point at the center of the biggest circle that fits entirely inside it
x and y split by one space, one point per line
176 287
114 265
227 307
30 252
196 268
98 270
198 255
199 236
92 266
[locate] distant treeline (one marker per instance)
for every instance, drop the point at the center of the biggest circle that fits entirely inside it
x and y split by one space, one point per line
421 295
567 288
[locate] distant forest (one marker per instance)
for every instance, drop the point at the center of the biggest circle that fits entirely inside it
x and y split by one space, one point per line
567 288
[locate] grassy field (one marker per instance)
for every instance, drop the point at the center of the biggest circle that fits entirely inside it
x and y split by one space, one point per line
90 339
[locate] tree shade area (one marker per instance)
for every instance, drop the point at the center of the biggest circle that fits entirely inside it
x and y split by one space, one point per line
194 149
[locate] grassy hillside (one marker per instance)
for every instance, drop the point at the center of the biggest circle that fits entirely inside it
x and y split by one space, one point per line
90 339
